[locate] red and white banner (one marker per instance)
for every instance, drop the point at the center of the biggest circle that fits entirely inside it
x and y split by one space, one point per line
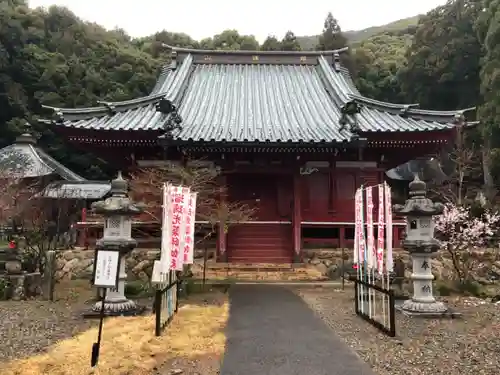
189 229
371 251
358 222
178 197
388 229
381 231
165 232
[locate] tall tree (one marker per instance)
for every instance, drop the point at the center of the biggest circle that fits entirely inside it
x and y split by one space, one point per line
488 31
332 38
442 70
290 42
271 44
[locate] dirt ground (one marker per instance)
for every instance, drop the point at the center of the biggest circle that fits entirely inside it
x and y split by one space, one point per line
465 346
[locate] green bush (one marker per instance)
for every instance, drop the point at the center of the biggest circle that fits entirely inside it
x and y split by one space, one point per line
443 289
4 289
470 288
138 289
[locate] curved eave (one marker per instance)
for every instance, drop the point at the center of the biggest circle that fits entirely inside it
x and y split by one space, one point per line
249 52
109 108
412 110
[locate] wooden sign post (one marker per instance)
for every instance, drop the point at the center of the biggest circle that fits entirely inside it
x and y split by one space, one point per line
106 272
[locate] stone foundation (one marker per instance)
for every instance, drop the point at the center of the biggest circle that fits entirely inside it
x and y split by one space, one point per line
79 263
257 272
329 262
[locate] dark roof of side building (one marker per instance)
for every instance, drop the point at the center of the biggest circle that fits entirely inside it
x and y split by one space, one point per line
24 159
258 97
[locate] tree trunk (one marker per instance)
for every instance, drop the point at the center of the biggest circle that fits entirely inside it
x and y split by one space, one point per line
489 184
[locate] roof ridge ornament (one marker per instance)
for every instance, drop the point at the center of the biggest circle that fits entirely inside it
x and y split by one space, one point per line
174 119
350 108
459 118
173 56
406 108
109 106
27 136
336 62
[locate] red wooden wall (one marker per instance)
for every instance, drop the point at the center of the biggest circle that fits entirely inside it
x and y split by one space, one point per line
328 196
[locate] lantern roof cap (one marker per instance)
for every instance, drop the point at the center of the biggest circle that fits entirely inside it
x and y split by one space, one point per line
418 204
417 186
119 186
119 203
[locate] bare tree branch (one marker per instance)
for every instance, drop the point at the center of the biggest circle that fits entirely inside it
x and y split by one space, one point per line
463 168
213 203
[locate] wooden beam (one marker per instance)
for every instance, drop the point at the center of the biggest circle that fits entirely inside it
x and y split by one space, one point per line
297 219
221 233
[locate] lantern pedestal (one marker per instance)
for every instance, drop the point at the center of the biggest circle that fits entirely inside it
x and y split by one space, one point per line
423 301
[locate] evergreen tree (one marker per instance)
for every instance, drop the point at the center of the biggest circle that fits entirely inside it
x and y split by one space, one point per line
331 38
290 42
271 44
488 29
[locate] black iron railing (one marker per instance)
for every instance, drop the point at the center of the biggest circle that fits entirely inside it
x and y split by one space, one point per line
376 305
166 302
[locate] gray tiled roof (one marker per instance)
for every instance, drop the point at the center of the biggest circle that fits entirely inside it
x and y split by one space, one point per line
91 190
237 100
24 159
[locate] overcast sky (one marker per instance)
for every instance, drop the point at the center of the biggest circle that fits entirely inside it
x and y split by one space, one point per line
261 18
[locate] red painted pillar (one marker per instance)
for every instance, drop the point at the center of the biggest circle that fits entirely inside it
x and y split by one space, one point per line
221 230
82 231
297 218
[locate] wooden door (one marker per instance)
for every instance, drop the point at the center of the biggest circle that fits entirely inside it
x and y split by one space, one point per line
346 189
316 196
258 192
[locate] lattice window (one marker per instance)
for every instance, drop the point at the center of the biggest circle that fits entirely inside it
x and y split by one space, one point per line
114 223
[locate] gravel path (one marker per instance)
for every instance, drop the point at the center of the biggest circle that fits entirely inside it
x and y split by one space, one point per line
29 327
466 346
272 331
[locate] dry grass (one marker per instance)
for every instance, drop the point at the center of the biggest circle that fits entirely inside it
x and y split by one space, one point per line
130 347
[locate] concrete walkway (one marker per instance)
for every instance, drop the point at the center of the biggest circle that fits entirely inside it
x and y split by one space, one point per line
271 331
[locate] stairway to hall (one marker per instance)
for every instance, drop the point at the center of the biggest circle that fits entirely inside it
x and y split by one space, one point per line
260 243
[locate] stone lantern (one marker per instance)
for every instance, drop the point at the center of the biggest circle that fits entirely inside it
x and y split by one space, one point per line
118 211
421 245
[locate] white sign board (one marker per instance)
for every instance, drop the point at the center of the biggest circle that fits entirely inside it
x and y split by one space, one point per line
106 268
158 277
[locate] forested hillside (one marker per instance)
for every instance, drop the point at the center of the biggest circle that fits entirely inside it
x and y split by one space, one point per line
356 36
450 59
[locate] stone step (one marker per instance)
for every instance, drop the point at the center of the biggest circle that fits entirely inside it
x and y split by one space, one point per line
301 274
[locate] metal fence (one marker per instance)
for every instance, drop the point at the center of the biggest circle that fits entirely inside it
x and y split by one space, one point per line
376 305
166 302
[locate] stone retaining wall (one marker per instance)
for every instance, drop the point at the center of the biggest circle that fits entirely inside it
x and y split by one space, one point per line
329 262
79 263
